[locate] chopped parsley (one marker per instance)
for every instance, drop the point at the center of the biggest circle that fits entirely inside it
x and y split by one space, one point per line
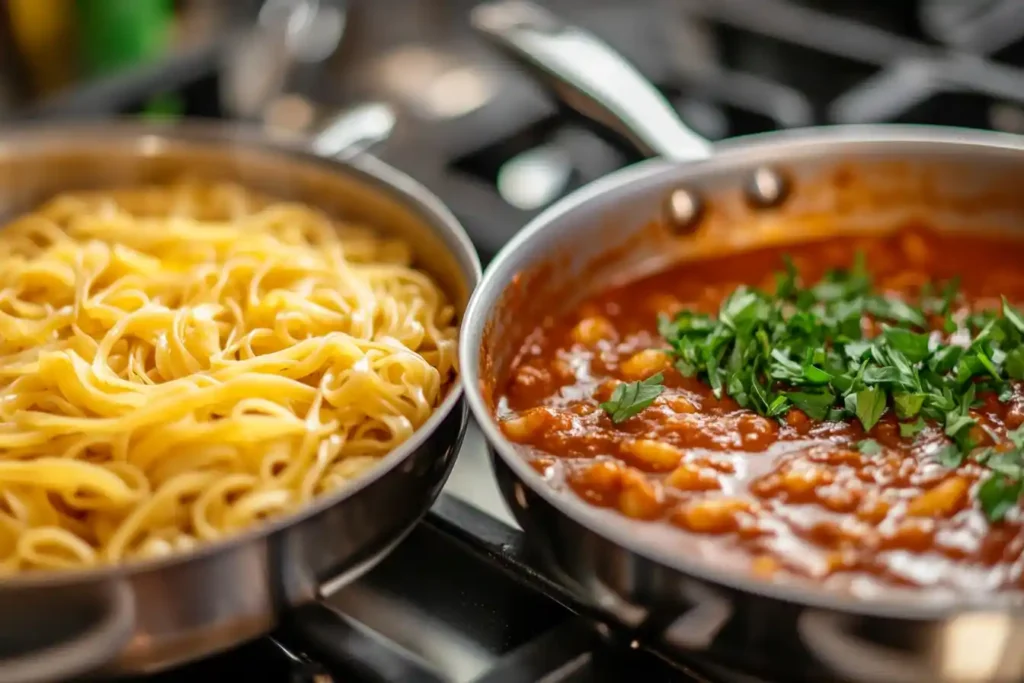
805 347
999 494
869 447
908 430
629 398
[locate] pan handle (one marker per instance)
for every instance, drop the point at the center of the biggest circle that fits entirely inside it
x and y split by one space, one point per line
351 132
973 646
828 638
100 642
345 134
589 76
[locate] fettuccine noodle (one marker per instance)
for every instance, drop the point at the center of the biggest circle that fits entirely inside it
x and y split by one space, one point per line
181 362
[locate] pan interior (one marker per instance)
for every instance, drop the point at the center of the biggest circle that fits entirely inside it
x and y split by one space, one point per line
845 181
39 162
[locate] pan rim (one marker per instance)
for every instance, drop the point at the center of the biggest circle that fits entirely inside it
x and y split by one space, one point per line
499 274
363 167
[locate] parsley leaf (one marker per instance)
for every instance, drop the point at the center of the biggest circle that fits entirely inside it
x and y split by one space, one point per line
1007 464
1013 315
1016 436
998 495
949 456
895 310
907 405
857 350
870 404
629 398
869 447
957 423
913 346
908 430
816 405
945 359
1014 363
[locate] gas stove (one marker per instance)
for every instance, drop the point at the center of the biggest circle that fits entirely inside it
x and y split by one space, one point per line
462 599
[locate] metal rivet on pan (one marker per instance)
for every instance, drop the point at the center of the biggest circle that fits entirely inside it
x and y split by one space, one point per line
683 211
767 187
520 496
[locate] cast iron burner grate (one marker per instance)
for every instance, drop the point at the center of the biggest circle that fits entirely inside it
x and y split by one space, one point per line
459 601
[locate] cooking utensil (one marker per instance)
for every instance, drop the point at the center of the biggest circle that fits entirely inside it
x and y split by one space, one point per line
145 616
776 187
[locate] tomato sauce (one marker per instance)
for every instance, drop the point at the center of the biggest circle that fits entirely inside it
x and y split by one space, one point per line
788 498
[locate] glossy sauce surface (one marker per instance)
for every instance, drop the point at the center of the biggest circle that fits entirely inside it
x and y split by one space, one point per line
789 498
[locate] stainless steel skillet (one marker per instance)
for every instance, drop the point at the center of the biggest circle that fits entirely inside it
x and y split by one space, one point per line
146 616
696 200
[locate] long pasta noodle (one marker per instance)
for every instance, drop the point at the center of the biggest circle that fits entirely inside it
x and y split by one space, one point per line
181 362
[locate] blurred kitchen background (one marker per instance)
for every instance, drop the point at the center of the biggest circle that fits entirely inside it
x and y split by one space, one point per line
473 128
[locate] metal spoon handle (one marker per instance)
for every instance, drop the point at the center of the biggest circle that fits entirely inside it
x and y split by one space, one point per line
589 76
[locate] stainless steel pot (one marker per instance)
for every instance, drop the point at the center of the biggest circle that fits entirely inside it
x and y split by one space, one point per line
697 200
146 616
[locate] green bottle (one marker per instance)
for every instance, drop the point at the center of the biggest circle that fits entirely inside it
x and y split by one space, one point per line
117 34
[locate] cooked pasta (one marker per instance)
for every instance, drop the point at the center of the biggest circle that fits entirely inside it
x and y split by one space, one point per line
181 362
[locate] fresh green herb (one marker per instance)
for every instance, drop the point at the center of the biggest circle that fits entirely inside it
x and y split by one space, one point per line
999 494
869 404
816 405
908 430
959 422
804 347
1007 464
1016 437
869 447
1013 315
912 345
894 310
1014 364
629 398
950 456
1001 490
908 404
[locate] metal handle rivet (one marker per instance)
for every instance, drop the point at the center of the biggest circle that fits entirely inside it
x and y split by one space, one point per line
767 188
520 496
683 211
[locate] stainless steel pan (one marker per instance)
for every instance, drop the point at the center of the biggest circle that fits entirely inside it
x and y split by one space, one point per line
146 616
695 200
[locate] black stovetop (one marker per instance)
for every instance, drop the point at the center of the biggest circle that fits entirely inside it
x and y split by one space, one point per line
461 600
458 601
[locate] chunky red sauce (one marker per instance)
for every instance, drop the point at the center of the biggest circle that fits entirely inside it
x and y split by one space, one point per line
790 497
